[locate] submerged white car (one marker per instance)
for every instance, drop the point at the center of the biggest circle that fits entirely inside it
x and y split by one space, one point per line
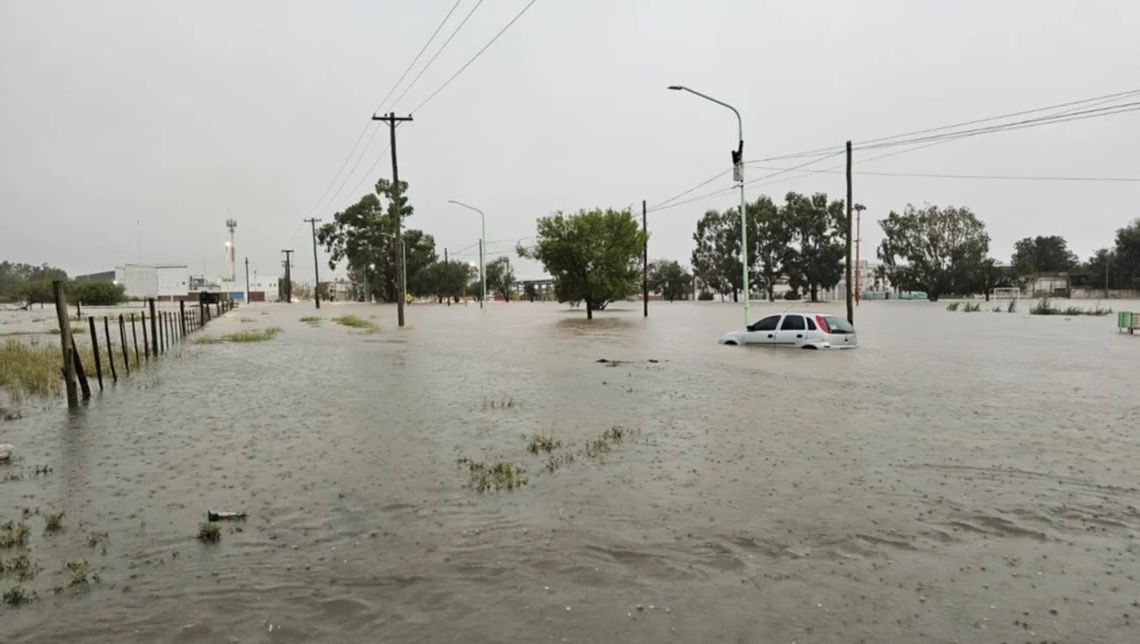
797 330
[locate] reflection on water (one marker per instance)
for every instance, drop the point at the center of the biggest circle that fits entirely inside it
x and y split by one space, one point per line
960 477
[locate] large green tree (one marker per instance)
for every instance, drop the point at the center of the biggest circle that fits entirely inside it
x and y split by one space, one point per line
1127 254
771 234
363 236
14 275
815 258
716 255
670 279
442 280
1033 255
501 277
930 248
593 256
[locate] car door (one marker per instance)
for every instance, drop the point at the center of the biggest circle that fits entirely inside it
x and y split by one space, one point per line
792 331
762 331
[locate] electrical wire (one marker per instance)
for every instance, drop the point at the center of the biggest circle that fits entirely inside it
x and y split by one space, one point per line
438 52
476 56
995 177
372 124
1063 117
421 53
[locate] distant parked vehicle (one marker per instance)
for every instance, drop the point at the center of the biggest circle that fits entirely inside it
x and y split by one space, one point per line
797 330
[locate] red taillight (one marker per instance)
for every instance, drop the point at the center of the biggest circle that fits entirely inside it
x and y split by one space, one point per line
822 325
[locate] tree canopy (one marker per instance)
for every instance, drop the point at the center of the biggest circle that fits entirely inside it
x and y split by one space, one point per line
670 279
363 234
593 256
501 277
933 249
1039 254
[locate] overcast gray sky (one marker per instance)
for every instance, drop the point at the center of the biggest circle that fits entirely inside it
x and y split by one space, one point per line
179 115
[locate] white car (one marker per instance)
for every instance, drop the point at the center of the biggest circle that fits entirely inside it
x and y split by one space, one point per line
797 330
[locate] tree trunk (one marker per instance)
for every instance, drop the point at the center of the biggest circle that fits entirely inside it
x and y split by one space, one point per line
771 293
589 310
735 293
814 293
987 295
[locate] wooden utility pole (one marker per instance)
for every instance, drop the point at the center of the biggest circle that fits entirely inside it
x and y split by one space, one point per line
850 285
288 278
858 254
391 119
65 342
316 265
446 263
247 280
644 264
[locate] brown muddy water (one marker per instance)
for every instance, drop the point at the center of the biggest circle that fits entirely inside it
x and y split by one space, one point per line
962 477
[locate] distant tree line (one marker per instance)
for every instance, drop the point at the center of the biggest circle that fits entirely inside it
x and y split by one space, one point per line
27 284
801 240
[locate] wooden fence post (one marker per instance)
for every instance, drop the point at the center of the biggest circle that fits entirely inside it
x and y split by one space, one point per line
65 341
110 349
123 344
182 316
95 350
153 328
135 337
146 337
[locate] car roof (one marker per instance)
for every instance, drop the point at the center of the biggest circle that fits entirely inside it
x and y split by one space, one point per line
807 313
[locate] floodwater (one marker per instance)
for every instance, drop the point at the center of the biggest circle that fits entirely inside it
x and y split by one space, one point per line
961 477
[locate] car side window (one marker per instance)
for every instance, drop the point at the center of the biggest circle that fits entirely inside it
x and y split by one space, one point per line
793 323
811 324
766 324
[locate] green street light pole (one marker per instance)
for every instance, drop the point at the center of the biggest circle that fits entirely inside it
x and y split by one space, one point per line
738 175
482 246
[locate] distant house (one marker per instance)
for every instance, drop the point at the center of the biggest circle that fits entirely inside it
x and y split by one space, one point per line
1054 284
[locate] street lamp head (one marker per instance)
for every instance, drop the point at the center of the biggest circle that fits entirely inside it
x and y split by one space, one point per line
676 87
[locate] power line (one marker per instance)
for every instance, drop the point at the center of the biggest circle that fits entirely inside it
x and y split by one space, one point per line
476 56
321 200
421 53
1094 100
438 52
1063 117
995 177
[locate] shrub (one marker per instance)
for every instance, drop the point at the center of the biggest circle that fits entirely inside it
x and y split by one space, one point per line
96 293
705 296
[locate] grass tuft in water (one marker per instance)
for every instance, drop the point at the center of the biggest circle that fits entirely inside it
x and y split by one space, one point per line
1011 307
53 522
540 443
312 320
16 596
1045 307
253 335
972 307
493 476
953 306
605 443
13 534
209 533
355 322
79 570
506 402
98 540
23 565
245 320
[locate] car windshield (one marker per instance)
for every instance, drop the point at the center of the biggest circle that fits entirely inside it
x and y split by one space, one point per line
837 324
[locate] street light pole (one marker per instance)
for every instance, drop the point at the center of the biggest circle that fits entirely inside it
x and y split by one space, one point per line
738 175
482 246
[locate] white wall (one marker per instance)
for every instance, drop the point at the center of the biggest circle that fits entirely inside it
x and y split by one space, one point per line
172 280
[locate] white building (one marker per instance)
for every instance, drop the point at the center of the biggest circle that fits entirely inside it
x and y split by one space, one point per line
161 281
